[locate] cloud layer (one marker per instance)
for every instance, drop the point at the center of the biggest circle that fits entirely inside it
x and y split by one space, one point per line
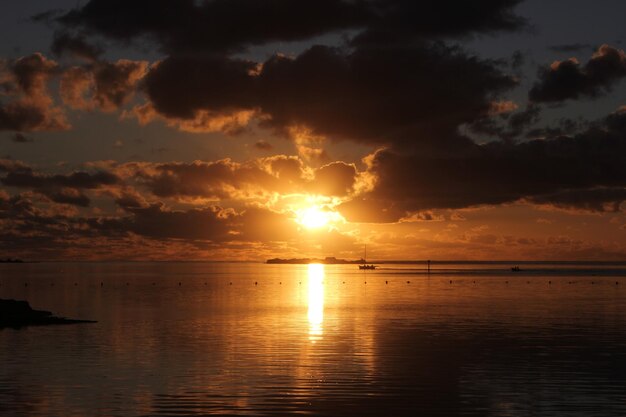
565 80
437 128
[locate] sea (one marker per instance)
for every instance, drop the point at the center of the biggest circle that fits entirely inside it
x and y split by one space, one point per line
252 339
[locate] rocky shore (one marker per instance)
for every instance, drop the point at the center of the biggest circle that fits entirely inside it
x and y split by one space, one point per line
17 313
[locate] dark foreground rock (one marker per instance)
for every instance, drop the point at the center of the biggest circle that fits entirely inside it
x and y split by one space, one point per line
15 313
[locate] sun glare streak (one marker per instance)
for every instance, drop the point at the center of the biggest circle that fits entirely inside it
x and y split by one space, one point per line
316 301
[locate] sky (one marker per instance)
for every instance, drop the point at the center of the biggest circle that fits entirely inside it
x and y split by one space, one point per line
254 129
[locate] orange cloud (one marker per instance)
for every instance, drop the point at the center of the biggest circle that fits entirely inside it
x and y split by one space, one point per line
31 108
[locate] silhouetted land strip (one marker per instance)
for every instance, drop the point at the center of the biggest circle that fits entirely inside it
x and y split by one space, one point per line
17 313
11 261
330 260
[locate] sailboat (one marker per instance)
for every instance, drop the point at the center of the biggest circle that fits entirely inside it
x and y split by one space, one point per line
365 264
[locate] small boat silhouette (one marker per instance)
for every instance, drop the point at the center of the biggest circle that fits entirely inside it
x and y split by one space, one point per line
515 269
365 264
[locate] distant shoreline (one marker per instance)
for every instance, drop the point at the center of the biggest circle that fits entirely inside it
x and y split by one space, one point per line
335 261
11 261
303 261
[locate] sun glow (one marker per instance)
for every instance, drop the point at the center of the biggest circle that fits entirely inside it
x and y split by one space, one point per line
316 217
313 218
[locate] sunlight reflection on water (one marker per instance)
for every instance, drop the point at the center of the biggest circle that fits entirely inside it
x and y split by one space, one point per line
316 301
249 339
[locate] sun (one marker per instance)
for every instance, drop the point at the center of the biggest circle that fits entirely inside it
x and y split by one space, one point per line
315 213
313 218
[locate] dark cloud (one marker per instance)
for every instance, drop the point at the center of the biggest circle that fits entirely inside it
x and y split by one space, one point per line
63 195
215 224
79 180
586 170
127 197
218 25
565 80
105 85
77 46
403 95
36 231
563 127
155 221
227 179
232 25
395 81
31 116
64 189
32 72
372 210
507 125
401 21
179 87
115 82
518 122
378 90
207 180
10 165
595 199
399 95
334 179
31 108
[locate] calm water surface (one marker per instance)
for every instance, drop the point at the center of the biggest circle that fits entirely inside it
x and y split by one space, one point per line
186 339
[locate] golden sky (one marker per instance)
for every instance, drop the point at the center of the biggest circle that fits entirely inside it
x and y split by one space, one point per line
248 130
